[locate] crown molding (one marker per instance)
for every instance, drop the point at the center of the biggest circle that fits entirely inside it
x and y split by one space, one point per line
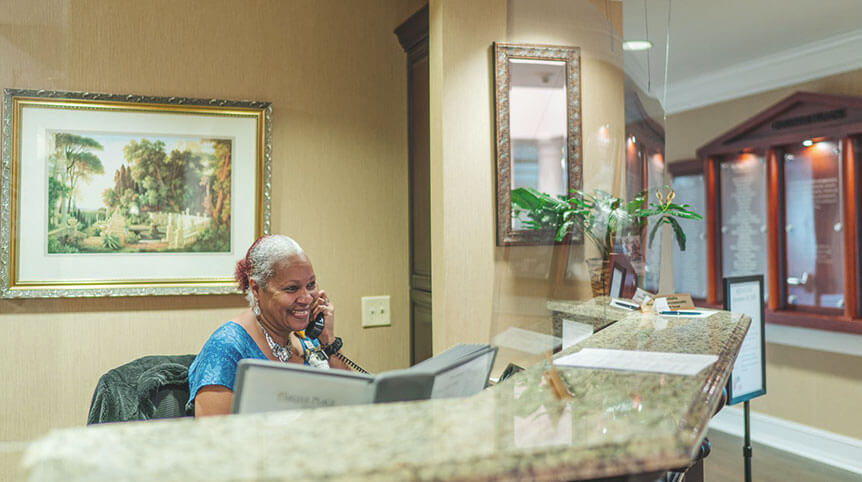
823 58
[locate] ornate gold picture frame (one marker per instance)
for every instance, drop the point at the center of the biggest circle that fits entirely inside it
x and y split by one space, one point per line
127 195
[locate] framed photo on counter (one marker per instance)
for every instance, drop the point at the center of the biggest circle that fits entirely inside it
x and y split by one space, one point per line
623 278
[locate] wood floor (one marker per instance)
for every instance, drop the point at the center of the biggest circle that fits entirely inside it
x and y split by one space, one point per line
725 464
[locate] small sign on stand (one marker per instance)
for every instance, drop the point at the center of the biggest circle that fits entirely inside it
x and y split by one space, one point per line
744 294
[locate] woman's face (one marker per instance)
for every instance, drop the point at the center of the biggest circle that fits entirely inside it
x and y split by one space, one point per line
290 292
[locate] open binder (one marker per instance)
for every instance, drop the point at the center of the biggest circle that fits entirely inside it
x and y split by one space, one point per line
265 386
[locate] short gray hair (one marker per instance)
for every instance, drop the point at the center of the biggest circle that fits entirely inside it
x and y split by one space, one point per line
262 256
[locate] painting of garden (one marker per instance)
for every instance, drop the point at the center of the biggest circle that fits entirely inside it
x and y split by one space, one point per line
121 193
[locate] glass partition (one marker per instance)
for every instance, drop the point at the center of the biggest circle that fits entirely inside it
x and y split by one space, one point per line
656 182
689 273
634 167
550 297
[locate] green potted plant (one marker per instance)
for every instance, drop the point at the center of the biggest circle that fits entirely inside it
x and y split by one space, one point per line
602 217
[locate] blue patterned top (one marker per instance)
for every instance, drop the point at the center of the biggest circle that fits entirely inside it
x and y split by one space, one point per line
217 362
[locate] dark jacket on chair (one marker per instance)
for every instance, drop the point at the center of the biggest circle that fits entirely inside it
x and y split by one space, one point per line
150 387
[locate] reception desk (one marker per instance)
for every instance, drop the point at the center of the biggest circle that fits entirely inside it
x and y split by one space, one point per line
617 423
596 313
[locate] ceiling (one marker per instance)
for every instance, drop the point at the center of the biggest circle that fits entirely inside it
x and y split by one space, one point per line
721 50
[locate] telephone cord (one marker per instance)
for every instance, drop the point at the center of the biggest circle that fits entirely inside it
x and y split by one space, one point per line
349 362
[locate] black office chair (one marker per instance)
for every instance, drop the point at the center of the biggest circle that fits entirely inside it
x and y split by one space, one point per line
693 472
150 387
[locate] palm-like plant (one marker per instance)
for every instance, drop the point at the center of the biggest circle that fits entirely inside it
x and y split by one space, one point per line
601 215
538 210
111 241
667 212
74 159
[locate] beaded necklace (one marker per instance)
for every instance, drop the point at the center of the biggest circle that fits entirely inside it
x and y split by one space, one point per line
283 353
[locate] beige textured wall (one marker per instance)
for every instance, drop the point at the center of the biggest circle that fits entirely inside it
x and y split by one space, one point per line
462 176
335 74
479 289
811 387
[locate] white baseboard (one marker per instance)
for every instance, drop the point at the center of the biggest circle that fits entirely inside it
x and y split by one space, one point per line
825 447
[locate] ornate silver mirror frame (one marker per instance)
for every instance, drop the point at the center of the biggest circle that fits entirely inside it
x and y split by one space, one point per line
538 115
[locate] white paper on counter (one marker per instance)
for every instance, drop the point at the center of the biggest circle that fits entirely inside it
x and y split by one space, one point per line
638 361
575 332
660 305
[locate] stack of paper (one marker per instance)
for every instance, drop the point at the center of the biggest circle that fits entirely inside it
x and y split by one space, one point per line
638 361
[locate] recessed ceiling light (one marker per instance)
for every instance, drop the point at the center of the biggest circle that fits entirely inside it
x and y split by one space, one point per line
637 45
807 143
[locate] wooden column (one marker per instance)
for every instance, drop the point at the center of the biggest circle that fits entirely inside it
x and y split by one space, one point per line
712 232
851 265
413 36
775 225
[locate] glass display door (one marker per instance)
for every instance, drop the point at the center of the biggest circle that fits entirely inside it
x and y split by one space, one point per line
813 227
743 217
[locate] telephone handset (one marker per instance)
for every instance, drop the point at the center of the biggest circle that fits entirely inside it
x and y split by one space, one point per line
315 329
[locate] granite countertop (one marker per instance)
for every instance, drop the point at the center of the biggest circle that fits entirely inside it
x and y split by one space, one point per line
617 423
596 312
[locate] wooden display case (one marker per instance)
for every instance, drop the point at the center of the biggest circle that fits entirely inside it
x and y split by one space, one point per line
782 200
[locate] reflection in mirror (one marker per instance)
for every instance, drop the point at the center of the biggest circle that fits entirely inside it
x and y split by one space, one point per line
537 100
538 130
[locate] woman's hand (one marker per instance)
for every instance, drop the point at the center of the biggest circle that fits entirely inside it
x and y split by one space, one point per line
297 351
322 304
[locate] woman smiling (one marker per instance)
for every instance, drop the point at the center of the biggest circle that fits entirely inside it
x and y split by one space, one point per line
279 282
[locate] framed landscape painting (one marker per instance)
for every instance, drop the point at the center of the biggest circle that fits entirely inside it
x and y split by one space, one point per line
120 195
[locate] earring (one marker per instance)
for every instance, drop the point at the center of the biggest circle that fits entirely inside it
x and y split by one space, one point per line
256 309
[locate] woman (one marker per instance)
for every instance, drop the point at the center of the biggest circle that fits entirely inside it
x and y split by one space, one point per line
279 283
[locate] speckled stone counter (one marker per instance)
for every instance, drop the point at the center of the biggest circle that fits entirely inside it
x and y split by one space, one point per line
596 312
616 423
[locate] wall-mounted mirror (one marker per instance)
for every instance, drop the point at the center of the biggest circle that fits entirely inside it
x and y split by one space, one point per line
538 117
